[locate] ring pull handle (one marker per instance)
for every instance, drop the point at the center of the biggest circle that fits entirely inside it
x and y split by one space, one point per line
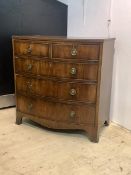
74 51
29 85
29 50
72 114
30 106
73 71
72 92
29 67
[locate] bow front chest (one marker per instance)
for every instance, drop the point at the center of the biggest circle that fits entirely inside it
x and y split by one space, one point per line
63 83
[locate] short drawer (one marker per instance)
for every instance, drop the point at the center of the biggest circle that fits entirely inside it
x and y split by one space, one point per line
83 71
56 111
57 69
40 49
89 51
57 89
32 66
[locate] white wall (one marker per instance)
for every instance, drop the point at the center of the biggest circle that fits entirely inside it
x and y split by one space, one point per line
96 25
121 92
97 13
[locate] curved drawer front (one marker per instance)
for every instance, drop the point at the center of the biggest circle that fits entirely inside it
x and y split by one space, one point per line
56 111
57 89
31 66
40 49
57 69
75 70
67 50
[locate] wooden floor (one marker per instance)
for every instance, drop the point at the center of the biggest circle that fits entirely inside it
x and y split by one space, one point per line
29 149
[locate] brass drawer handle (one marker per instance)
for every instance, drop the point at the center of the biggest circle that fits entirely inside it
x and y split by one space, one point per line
73 92
73 71
29 49
72 114
30 106
29 84
29 67
74 52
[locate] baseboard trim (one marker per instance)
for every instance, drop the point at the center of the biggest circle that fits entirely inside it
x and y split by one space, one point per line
7 100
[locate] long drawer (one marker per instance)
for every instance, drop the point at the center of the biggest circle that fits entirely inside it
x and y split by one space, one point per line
67 90
56 111
76 70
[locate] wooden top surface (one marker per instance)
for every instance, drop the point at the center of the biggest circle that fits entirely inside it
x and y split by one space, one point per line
59 38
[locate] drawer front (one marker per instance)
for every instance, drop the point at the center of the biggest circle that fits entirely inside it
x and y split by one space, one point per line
57 69
29 48
56 111
32 66
75 70
78 51
57 89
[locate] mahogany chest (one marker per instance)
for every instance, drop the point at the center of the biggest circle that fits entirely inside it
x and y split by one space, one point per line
63 83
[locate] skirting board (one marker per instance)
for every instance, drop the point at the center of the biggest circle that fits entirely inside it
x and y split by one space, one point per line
7 100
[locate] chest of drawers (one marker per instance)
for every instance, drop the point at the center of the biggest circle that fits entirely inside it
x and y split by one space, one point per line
63 83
